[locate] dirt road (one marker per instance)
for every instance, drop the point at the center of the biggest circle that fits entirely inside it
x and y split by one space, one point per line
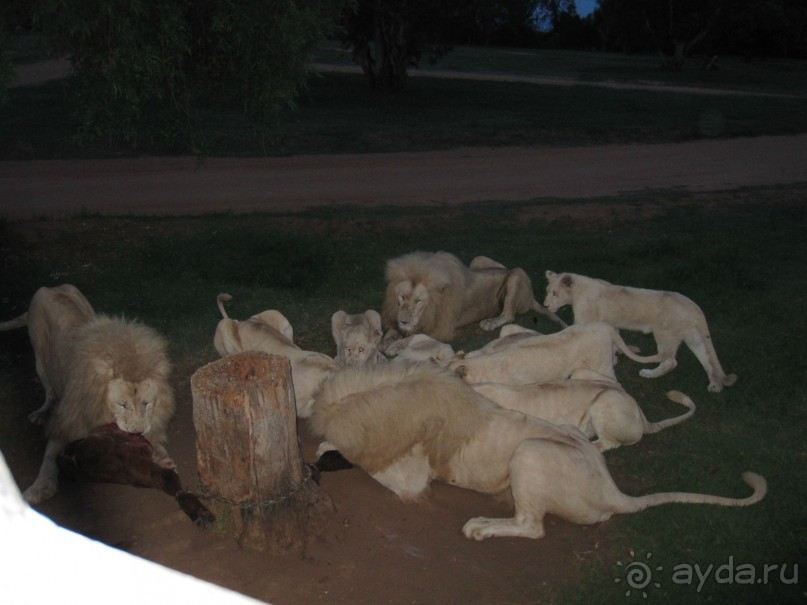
186 185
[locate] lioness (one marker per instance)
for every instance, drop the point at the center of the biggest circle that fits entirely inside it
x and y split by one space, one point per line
434 294
270 332
420 348
671 317
541 358
599 408
357 337
100 370
407 424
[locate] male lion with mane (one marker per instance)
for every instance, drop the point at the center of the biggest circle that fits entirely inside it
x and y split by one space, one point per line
670 316
97 370
433 293
406 424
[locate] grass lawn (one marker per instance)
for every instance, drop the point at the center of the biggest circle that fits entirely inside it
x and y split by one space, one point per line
739 254
338 114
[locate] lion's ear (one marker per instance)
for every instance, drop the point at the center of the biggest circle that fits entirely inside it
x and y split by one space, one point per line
374 318
338 320
567 281
550 275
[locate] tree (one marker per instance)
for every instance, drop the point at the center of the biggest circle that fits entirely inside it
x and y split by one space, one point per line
676 27
163 58
548 13
387 37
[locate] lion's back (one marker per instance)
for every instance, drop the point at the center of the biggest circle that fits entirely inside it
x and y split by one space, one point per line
375 414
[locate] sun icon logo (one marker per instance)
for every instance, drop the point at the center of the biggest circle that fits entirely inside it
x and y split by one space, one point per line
638 575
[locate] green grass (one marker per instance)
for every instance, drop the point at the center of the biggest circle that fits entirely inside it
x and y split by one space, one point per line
771 76
740 255
338 113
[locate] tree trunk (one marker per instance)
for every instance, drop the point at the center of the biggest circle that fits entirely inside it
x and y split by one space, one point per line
248 458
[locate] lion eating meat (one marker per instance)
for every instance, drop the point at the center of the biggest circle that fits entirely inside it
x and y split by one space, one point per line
407 424
434 294
100 370
671 317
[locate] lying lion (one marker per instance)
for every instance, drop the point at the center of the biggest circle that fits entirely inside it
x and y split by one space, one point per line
671 317
420 348
407 424
357 337
434 294
101 370
270 332
599 408
540 358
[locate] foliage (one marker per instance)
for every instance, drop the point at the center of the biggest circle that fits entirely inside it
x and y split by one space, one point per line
387 37
139 62
677 29
336 115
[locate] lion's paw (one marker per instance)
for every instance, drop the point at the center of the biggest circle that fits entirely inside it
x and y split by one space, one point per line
477 528
38 416
164 461
41 490
492 324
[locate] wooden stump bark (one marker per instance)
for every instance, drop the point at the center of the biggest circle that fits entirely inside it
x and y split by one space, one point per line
248 457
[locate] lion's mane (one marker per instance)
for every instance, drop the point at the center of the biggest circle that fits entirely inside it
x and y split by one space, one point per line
445 278
374 415
95 353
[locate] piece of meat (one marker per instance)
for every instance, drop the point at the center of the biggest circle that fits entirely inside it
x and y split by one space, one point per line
110 455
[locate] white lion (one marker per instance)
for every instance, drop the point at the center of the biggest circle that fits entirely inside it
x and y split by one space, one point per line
540 358
420 348
407 424
270 332
671 317
599 408
434 294
100 370
357 337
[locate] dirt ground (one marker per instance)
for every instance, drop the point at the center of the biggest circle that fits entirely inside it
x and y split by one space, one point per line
375 549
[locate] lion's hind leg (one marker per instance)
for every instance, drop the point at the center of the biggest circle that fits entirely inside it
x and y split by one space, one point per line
518 298
38 415
703 348
667 347
528 483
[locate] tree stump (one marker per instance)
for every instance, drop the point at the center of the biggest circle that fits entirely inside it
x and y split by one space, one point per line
248 457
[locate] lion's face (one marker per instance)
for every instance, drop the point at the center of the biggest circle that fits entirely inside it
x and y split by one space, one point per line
358 347
558 291
132 404
412 301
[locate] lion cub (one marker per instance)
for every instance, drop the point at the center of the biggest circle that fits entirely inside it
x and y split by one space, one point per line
671 317
357 337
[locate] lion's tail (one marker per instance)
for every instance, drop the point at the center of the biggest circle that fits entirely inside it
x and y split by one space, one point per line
17 322
220 300
626 350
755 481
678 397
539 308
